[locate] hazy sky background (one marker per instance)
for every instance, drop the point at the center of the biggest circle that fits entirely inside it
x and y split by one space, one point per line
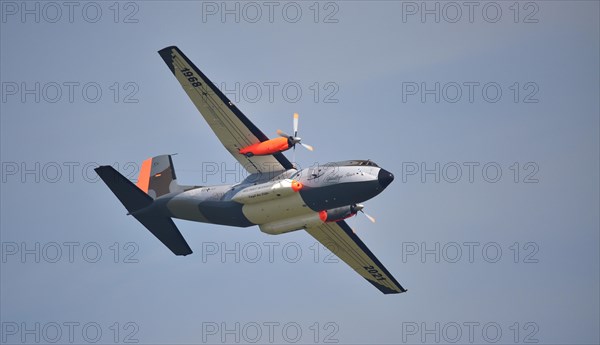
365 59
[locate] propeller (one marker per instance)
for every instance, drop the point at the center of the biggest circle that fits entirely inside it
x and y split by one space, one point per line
294 139
360 208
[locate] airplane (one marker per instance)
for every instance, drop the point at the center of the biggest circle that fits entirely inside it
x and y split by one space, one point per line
275 195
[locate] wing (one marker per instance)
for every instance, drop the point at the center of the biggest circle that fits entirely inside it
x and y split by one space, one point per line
341 240
230 125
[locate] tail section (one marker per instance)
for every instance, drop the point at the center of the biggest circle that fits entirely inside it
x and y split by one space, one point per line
157 178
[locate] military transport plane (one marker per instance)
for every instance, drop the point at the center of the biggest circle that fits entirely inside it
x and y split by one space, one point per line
275 196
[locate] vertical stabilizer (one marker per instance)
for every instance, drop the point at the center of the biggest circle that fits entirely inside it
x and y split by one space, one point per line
157 177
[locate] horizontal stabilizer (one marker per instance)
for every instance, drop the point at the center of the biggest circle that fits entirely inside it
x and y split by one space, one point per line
165 230
135 201
130 195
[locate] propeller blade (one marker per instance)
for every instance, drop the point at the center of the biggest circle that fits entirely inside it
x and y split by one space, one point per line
282 133
369 217
308 147
294 154
295 124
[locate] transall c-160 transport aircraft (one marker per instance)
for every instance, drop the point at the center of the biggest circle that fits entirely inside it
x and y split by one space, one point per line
275 196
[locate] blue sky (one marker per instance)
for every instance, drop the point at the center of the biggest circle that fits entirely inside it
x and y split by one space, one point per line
515 253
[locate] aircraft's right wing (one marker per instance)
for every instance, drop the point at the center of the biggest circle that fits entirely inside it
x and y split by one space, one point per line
343 242
230 125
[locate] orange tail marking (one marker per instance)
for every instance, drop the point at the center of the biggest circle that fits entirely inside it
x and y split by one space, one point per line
144 177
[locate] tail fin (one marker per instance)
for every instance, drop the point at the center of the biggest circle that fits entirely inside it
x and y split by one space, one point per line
157 177
138 203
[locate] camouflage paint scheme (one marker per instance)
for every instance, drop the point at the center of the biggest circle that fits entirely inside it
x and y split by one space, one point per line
327 187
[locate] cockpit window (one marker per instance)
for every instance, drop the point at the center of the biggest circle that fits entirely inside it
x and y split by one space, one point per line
317 172
354 163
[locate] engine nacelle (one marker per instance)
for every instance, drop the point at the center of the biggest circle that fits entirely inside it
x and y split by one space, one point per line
291 224
338 213
268 147
267 191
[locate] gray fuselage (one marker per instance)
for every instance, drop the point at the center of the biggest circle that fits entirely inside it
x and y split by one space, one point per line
260 199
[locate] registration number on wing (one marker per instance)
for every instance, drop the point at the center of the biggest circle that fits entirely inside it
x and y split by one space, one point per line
374 272
190 77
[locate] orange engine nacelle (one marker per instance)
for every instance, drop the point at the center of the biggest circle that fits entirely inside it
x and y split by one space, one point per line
268 147
337 214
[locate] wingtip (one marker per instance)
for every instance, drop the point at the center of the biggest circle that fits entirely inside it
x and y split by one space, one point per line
102 168
168 48
167 57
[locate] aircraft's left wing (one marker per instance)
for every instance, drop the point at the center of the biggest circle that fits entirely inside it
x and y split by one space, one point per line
343 242
230 125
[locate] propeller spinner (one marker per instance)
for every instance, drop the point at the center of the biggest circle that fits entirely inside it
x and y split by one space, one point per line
294 139
276 145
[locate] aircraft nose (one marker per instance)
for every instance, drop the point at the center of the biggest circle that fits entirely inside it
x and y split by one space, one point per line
385 178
